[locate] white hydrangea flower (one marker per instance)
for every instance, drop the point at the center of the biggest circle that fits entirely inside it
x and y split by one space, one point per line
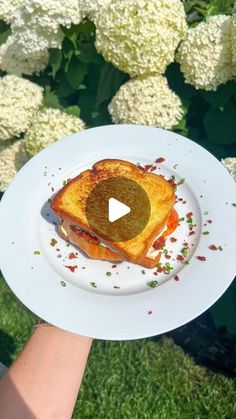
92 7
12 158
19 100
48 126
7 8
146 101
234 41
35 41
140 36
36 27
205 55
230 165
13 62
48 14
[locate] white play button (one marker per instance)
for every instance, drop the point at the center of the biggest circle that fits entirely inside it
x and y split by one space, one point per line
117 210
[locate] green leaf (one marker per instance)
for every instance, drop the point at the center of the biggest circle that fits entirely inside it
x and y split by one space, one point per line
88 54
76 72
223 94
67 48
181 128
51 99
217 7
93 76
42 80
64 90
87 28
55 58
221 125
3 26
86 102
4 35
73 110
102 117
177 83
110 81
72 34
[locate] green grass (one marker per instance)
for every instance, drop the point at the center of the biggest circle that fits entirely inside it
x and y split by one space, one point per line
130 380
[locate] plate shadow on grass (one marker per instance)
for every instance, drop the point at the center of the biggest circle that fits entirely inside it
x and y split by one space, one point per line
7 348
209 346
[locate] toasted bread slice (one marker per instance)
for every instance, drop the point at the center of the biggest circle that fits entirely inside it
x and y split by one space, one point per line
70 203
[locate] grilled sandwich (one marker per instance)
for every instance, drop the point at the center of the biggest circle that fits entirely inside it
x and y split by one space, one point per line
69 204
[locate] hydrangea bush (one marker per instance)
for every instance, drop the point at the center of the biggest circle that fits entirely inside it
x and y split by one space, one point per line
146 101
140 37
48 126
66 65
205 55
19 100
70 64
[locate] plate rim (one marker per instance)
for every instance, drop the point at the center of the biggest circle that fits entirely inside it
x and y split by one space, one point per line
39 157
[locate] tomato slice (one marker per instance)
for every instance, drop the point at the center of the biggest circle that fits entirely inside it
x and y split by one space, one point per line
172 224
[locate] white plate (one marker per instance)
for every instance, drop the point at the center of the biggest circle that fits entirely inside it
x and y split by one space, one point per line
134 310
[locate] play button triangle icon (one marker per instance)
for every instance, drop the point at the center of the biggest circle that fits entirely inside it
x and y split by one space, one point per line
117 210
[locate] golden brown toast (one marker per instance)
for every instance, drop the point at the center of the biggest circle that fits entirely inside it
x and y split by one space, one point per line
69 204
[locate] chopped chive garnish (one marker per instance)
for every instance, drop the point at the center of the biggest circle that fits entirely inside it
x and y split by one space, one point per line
37 252
192 225
186 262
167 268
143 271
93 284
205 233
234 204
206 213
165 251
159 265
108 273
68 244
49 200
220 248
182 219
59 256
101 245
63 283
190 221
153 284
184 252
181 181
